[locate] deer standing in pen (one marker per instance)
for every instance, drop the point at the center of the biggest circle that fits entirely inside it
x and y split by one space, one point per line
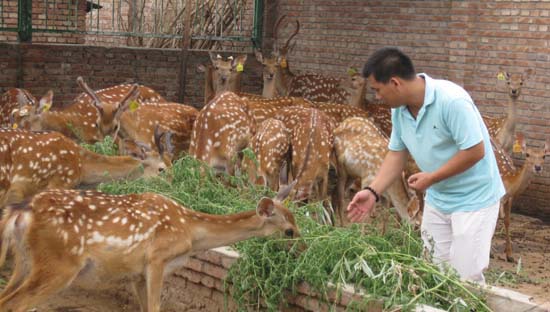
221 131
222 75
89 239
503 128
311 141
516 180
89 119
139 125
34 161
360 148
270 145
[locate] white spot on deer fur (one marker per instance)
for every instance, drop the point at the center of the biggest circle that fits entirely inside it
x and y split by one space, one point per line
124 220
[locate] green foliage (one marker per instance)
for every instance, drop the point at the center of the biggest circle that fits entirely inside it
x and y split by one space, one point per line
387 267
105 147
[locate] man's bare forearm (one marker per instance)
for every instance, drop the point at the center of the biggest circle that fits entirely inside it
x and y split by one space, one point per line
390 170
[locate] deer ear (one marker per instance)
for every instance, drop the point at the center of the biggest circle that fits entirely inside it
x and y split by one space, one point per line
283 174
528 72
285 191
201 68
45 102
265 207
259 55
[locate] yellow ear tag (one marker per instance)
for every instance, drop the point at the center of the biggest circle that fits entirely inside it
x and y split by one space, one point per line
133 106
516 147
352 71
14 126
501 76
240 67
46 107
283 63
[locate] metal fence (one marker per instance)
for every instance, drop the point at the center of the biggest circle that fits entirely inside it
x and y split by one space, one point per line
215 24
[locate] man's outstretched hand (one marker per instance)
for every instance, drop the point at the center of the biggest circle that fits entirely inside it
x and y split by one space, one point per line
361 206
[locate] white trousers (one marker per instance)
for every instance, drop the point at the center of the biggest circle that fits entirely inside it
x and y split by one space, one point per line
461 239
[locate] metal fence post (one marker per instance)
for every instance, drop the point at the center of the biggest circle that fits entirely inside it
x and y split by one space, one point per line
258 23
24 21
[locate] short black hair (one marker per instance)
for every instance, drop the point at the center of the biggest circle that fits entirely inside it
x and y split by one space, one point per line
389 62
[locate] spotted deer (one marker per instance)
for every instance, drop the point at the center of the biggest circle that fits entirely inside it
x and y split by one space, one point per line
360 148
89 239
15 103
516 180
311 141
262 109
503 128
276 72
221 131
139 125
270 145
89 118
34 161
222 75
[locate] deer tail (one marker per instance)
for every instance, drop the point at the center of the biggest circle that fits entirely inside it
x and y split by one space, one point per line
15 222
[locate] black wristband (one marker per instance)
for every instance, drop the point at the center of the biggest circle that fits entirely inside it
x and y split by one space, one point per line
373 192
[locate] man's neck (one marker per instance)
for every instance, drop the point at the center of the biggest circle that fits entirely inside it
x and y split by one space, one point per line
417 90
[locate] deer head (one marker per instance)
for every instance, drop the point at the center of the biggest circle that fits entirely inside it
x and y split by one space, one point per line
222 75
15 104
514 81
137 237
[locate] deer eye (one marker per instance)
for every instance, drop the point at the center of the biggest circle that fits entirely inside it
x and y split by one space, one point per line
526 155
289 232
521 83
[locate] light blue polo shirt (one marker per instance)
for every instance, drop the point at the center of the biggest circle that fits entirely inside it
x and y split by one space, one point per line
447 122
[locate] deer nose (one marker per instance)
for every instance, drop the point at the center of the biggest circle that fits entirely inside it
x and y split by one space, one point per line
223 79
538 168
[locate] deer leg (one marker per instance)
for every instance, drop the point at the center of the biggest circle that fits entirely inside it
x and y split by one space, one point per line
155 272
41 283
341 182
140 289
20 271
507 216
15 194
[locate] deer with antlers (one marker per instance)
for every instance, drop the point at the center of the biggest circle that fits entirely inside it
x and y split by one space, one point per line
503 128
222 75
34 161
89 119
65 238
360 148
221 131
516 180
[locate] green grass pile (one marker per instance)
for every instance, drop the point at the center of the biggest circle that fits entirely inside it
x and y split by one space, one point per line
385 267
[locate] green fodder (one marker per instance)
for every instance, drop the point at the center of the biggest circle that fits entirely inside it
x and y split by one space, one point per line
387 268
105 147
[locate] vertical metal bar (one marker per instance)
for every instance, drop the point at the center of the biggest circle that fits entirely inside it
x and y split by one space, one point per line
75 17
258 23
24 21
155 14
97 14
46 13
187 32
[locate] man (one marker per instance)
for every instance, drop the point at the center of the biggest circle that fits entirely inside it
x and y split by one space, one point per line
437 122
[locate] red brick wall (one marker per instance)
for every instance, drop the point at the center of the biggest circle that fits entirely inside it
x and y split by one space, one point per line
39 68
464 41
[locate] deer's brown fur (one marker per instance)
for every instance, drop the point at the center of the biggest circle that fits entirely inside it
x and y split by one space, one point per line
34 161
91 239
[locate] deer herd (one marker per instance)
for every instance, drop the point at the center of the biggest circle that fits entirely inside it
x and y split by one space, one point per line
298 129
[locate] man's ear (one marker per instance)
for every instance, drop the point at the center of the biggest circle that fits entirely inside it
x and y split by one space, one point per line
395 82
